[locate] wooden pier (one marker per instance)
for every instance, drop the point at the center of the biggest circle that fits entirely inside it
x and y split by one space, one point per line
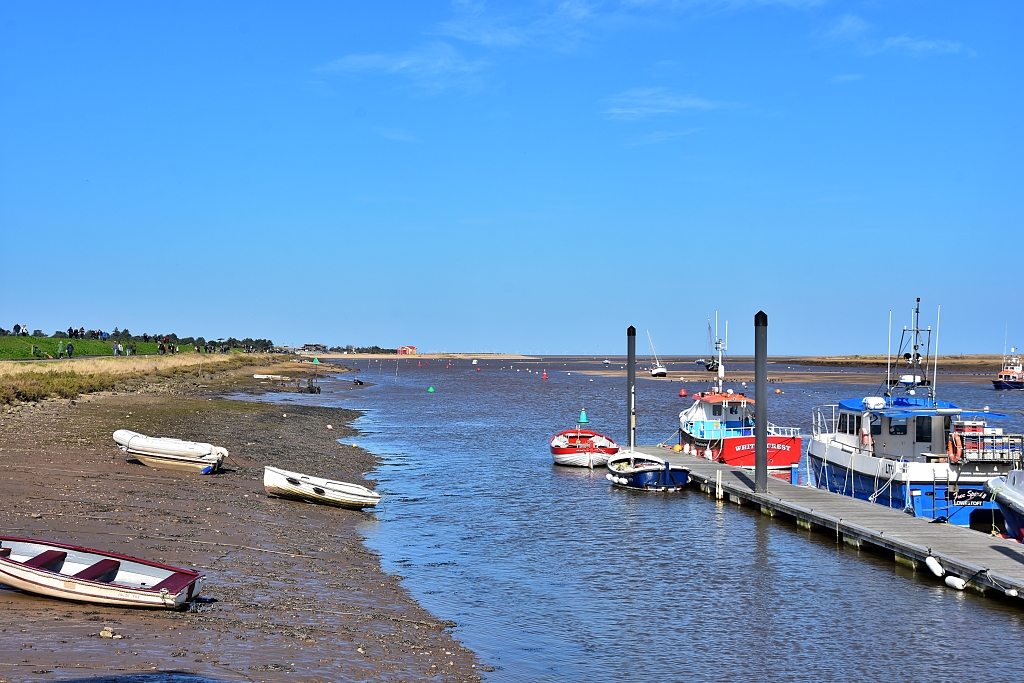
987 563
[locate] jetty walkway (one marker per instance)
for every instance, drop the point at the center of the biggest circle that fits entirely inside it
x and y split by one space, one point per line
987 563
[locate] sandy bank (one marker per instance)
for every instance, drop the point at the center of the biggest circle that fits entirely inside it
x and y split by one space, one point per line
292 593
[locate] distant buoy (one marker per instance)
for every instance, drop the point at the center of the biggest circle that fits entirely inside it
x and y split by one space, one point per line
330 428
355 446
478 369
446 367
419 364
568 374
591 380
284 415
430 390
778 391
545 375
682 393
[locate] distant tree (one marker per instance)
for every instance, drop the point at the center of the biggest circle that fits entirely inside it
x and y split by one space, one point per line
200 341
58 335
187 341
38 333
4 333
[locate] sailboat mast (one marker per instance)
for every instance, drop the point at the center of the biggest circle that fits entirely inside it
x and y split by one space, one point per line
935 372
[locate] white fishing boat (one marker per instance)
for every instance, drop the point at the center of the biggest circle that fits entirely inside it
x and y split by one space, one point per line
297 486
70 572
657 368
171 453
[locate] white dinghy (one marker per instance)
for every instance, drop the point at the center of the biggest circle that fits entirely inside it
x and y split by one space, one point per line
296 486
69 572
171 453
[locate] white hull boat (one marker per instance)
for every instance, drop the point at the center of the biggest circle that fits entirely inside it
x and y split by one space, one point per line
70 572
297 486
171 453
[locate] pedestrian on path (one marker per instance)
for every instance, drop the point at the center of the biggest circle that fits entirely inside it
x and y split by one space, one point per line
60 349
71 349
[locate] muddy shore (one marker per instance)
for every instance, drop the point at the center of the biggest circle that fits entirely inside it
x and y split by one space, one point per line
291 594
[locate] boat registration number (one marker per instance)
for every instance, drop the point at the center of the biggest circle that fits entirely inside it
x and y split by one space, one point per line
966 497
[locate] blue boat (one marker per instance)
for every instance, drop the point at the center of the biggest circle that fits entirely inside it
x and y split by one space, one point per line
913 452
1007 492
646 473
1011 377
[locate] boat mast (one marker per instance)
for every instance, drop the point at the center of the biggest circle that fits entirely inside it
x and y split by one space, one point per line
720 346
935 372
888 356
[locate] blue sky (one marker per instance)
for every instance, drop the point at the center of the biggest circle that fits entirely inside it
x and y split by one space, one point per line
528 177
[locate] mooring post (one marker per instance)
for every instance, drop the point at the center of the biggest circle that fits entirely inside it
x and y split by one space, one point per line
761 405
631 385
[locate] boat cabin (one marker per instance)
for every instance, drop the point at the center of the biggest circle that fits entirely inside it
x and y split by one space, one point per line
915 430
1013 370
717 415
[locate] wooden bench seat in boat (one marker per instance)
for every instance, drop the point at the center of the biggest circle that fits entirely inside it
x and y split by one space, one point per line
51 560
175 582
104 570
5 552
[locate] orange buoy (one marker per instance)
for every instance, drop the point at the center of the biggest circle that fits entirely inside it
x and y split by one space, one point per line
682 393
419 364
478 369
545 375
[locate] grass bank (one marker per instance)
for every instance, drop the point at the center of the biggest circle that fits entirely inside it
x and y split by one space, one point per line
20 348
24 382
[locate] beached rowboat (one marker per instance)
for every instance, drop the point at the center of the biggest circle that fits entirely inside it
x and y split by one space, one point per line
297 486
84 575
171 453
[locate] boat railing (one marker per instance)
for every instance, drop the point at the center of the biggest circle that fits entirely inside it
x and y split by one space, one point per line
713 430
825 419
776 430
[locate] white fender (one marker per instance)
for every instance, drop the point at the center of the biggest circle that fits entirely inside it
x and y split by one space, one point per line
934 565
956 582
609 477
708 454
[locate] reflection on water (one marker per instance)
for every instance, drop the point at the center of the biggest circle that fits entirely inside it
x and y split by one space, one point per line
553 575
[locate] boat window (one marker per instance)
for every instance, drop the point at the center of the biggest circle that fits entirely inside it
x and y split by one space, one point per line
924 429
898 426
876 425
733 410
856 428
842 423
716 410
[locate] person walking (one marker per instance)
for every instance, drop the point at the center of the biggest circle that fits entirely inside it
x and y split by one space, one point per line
17 330
71 349
60 349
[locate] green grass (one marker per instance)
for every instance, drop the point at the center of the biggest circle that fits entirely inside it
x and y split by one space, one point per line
35 386
16 348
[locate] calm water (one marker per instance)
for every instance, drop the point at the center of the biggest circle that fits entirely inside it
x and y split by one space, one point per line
553 575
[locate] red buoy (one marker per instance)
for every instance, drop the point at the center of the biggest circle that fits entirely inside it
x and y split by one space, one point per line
478 369
545 375
419 364
682 393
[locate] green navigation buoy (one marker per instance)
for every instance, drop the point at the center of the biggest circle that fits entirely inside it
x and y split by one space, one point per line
316 361
431 390
583 416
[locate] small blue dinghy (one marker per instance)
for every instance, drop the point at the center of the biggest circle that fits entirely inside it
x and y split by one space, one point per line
646 473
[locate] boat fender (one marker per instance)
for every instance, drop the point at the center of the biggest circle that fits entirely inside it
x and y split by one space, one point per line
956 582
609 477
934 566
1010 592
708 454
686 448
206 470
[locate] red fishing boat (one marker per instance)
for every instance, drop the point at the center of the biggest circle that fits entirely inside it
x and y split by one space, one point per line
720 426
582 447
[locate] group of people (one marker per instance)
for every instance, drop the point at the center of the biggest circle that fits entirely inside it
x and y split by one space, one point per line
81 333
61 349
129 349
20 330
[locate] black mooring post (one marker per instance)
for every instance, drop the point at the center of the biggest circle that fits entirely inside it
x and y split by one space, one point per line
631 385
761 405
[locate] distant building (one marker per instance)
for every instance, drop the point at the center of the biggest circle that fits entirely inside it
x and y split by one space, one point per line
311 349
406 350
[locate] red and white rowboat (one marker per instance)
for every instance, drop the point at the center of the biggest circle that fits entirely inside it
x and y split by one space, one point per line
70 572
582 448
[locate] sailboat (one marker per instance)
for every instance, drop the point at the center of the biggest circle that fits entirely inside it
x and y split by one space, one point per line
657 369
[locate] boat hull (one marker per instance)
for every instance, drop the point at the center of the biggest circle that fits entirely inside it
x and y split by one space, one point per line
739 451
926 498
298 486
581 448
180 463
647 474
1010 500
171 587
1007 385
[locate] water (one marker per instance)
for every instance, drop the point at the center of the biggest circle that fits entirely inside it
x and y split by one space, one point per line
553 575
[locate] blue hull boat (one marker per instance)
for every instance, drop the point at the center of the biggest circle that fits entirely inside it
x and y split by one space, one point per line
646 473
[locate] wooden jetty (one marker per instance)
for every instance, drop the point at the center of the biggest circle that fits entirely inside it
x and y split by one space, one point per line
988 564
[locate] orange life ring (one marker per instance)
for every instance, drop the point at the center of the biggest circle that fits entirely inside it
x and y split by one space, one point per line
955 448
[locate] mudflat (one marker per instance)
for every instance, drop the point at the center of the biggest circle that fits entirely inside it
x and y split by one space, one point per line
291 592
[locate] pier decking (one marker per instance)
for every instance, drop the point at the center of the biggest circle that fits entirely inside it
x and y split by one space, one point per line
987 563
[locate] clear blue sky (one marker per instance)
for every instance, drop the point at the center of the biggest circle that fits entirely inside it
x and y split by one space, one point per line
528 177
